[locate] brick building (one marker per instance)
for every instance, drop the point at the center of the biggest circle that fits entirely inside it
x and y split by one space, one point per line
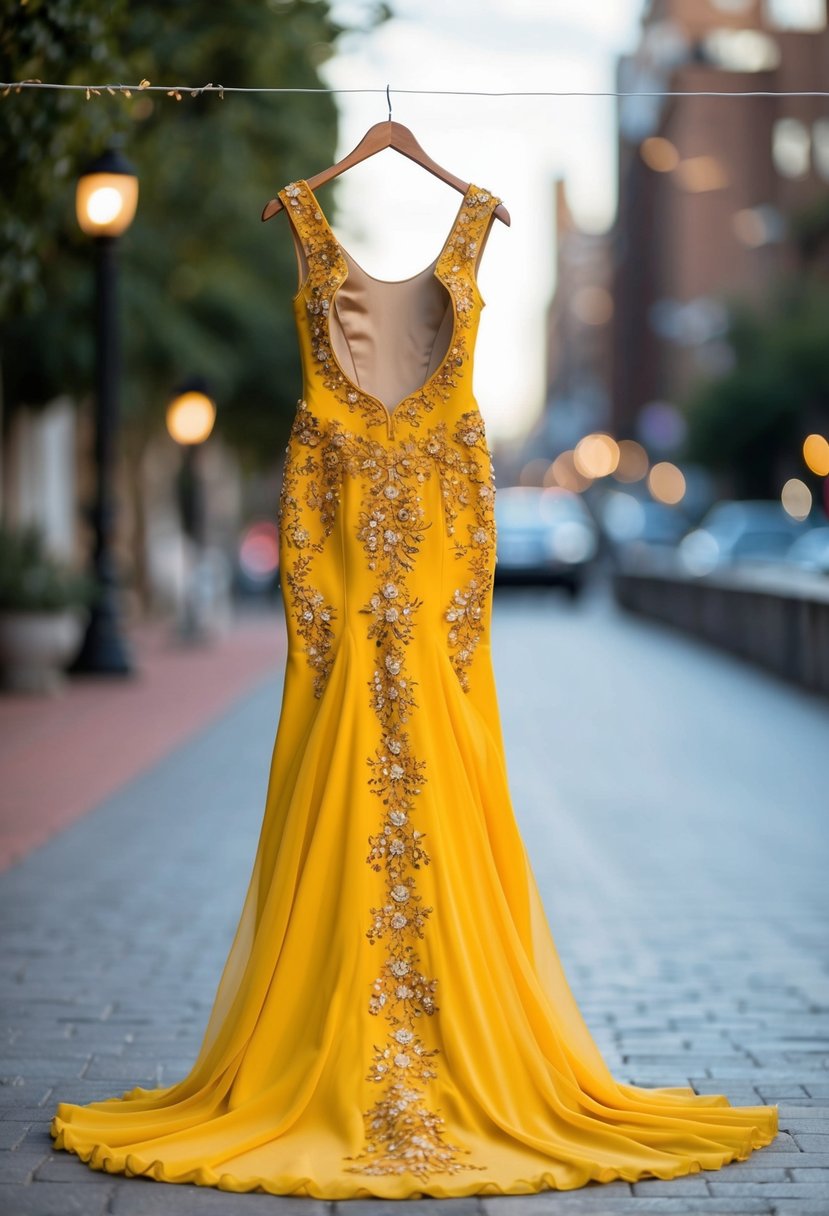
706 184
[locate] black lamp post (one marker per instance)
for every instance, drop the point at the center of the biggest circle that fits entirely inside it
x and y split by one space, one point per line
105 203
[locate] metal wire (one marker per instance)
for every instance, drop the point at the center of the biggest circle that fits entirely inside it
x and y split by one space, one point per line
178 91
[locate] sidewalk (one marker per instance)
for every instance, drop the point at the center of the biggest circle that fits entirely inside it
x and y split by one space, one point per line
60 756
702 960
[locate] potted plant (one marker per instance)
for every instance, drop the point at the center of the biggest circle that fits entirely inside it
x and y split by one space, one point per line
43 608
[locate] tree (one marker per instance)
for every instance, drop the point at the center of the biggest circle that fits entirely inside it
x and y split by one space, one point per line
200 270
749 424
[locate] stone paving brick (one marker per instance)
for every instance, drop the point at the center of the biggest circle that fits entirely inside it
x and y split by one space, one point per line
818 1089
466 1206
14 1093
54 1200
20 1164
771 1190
754 1169
789 1161
11 1135
803 1207
806 1124
66 1167
146 1197
46 1067
650 1188
590 1205
26 1114
103 1068
811 1143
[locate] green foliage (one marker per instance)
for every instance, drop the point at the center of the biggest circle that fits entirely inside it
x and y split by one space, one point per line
205 286
45 139
31 580
750 423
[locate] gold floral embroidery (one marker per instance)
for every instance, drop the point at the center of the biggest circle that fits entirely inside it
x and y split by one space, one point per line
467 480
402 1133
310 490
314 622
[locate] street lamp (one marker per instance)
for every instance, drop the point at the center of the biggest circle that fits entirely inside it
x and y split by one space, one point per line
105 202
190 418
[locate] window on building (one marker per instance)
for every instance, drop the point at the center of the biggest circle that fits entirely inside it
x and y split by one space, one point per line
790 147
796 14
742 50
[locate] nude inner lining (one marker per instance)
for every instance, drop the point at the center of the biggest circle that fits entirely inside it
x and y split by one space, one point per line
389 338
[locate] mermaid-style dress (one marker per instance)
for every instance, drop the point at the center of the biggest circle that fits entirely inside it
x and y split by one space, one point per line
393 1019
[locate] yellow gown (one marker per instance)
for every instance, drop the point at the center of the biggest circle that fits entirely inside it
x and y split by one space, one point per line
393 1019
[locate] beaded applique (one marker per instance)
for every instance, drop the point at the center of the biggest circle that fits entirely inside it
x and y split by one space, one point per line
309 494
467 480
403 1133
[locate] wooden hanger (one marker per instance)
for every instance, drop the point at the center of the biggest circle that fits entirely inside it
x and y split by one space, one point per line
382 135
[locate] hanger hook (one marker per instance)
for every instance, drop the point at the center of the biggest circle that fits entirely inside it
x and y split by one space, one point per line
388 99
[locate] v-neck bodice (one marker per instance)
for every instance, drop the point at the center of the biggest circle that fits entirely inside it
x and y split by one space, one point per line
388 349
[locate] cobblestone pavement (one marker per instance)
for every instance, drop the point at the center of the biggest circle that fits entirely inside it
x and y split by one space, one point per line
674 804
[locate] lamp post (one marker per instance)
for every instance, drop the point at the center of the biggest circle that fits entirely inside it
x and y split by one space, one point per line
105 202
190 418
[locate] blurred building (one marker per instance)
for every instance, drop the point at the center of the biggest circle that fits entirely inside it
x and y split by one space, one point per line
578 329
706 187
578 347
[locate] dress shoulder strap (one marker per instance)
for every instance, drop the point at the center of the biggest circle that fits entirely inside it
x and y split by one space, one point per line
465 243
303 211
317 250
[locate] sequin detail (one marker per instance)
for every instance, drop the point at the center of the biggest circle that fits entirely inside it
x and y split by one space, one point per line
467 480
403 1135
403 1132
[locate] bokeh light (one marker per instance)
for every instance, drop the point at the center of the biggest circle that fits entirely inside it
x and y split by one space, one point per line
567 475
816 454
633 461
533 472
596 455
796 498
659 154
190 417
699 173
666 482
259 551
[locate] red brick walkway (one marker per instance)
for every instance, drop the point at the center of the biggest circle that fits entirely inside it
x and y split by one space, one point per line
60 756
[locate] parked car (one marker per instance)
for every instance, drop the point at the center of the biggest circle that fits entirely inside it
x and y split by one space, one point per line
641 530
544 535
754 531
810 551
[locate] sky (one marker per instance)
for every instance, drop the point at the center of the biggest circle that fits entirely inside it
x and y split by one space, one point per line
393 215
